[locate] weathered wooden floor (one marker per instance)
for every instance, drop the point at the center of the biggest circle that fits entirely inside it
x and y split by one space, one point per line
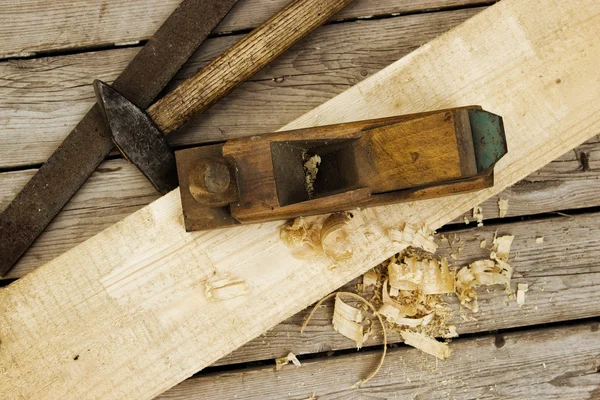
549 348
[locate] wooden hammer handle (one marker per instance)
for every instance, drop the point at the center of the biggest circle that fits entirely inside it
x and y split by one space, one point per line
241 61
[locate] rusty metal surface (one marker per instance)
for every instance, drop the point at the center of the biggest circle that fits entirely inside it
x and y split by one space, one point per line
89 142
145 146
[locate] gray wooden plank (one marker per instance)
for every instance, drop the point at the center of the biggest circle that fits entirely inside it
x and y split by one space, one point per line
117 189
31 26
563 275
42 99
547 363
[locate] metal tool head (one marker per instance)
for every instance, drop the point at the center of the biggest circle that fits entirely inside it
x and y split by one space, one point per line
138 138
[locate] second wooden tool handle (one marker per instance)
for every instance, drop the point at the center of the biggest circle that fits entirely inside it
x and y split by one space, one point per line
255 51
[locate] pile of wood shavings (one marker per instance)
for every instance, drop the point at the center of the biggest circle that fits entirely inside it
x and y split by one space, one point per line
407 289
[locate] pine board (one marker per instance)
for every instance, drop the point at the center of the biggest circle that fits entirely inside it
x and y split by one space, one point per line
130 299
28 27
41 100
550 363
117 189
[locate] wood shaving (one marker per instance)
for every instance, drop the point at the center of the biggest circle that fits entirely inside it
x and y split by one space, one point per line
522 288
372 308
495 271
539 240
393 314
291 357
225 288
430 276
298 233
369 278
334 238
466 220
412 236
426 344
501 247
482 244
311 168
502 207
478 215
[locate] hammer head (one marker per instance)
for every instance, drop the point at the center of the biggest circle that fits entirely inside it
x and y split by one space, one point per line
138 138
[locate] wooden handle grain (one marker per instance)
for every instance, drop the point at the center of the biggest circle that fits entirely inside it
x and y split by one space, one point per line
241 61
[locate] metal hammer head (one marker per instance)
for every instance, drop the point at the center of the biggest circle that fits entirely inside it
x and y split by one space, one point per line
137 138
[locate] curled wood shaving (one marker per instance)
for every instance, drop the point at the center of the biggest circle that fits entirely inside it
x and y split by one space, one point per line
502 207
372 308
501 247
291 357
225 288
484 272
522 288
412 236
482 244
408 308
299 233
426 344
478 215
430 276
392 314
334 238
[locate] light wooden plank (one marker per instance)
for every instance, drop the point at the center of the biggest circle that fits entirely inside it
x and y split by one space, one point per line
129 302
117 189
562 274
548 363
31 26
41 100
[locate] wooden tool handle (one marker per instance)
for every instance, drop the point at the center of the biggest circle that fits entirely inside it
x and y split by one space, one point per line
241 61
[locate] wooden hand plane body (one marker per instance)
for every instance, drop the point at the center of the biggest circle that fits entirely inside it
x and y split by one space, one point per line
339 167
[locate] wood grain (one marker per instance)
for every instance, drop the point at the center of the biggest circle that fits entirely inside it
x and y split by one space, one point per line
116 190
31 26
133 295
562 274
245 58
550 363
42 99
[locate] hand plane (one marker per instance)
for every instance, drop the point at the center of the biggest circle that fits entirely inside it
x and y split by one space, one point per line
339 167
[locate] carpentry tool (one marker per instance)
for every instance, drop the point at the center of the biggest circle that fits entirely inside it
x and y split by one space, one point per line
339 167
140 136
89 142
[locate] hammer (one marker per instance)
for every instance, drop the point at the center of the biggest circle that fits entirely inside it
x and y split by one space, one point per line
140 136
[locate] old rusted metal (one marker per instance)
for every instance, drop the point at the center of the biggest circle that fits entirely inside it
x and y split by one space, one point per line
146 147
89 142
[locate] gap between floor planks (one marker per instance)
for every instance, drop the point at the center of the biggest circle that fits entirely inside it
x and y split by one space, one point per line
49 27
557 362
